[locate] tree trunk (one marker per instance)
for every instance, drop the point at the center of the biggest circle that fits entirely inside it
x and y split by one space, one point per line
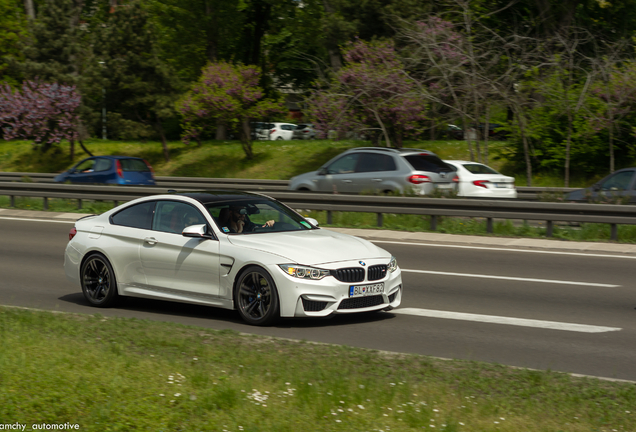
246 140
468 139
221 132
164 144
72 153
29 8
526 151
85 149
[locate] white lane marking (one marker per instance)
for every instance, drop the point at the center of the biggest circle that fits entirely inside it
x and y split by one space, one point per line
505 249
35 220
512 278
553 325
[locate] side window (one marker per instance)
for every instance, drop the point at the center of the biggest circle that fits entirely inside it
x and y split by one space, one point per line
372 162
102 164
134 165
619 181
174 216
86 166
344 165
137 216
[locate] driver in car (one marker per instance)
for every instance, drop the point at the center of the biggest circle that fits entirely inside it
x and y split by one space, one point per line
239 222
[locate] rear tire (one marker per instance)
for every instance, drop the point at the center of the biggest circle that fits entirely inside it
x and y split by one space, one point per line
99 285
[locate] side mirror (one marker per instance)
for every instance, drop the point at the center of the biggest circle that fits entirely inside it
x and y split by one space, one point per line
322 171
312 221
596 187
196 231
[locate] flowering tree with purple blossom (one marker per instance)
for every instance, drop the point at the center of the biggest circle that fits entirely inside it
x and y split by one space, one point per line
225 94
42 112
371 94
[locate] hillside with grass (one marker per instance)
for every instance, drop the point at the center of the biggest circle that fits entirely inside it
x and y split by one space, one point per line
279 160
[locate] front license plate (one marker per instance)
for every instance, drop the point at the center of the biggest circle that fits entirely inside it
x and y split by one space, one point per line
365 290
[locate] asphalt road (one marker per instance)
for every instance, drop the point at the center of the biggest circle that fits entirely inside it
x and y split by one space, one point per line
562 311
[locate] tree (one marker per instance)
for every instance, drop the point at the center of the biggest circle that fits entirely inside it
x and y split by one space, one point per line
371 91
13 30
228 94
128 77
44 113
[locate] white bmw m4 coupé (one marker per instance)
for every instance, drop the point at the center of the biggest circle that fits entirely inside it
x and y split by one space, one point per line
228 249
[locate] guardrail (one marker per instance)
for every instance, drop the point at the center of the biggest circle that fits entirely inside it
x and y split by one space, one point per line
524 192
433 207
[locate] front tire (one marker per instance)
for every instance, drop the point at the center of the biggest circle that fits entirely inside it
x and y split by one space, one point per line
99 285
256 297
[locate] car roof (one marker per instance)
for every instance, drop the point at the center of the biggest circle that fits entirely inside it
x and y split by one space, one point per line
217 196
397 151
113 157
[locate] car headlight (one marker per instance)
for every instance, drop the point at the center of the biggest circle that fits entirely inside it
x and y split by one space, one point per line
393 264
303 272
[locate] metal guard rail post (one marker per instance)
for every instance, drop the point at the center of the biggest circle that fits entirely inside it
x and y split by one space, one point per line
434 207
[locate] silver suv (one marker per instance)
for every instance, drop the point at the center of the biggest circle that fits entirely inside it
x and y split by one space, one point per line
380 169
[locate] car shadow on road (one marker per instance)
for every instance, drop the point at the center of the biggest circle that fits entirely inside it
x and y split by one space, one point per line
151 309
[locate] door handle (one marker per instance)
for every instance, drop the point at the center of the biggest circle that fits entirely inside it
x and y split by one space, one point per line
151 240
377 180
347 181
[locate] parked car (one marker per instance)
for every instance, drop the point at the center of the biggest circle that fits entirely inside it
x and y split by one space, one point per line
304 131
278 131
380 169
182 247
257 130
479 180
122 170
620 184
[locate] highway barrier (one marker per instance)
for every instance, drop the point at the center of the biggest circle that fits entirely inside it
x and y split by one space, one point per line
380 205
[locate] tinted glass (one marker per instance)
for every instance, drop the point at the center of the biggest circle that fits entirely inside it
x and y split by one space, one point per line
134 165
137 216
253 214
619 181
371 162
479 169
174 216
103 165
427 163
344 165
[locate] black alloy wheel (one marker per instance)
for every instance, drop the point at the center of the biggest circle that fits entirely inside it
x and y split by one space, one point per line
256 297
98 281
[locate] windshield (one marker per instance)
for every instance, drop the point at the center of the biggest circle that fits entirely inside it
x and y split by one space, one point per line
258 215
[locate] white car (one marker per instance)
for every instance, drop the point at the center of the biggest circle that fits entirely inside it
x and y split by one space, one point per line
278 131
228 249
479 180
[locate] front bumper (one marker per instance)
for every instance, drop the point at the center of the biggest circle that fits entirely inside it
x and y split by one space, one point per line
321 298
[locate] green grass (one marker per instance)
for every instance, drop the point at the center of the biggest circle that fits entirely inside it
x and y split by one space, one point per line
115 374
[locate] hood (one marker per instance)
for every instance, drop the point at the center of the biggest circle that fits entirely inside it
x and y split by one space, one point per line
306 176
311 247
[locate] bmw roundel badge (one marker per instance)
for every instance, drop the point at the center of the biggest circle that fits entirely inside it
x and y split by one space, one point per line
362 263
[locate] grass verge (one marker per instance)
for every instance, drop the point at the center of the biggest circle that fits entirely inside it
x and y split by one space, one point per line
115 374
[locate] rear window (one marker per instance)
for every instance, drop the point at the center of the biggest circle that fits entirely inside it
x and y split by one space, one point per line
136 216
479 169
430 163
136 165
